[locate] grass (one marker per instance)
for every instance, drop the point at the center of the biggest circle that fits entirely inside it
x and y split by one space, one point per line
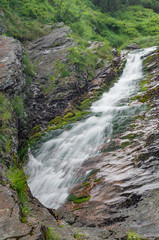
28 67
133 236
51 234
24 29
6 131
18 181
18 106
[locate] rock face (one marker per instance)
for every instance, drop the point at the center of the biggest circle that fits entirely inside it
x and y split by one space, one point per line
46 50
41 108
3 28
11 71
123 190
10 224
49 97
132 46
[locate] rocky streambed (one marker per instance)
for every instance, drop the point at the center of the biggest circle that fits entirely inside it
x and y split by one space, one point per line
123 182
120 192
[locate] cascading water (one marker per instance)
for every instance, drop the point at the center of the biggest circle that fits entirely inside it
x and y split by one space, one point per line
52 168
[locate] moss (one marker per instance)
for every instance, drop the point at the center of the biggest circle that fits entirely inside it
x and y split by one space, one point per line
111 147
97 180
69 115
75 209
151 62
52 234
86 184
149 95
80 236
19 184
78 200
85 104
125 144
62 226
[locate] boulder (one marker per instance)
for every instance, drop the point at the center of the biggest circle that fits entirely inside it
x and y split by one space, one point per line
46 50
132 46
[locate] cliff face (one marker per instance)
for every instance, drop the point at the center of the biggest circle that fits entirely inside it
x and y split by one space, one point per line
24 104
3 28
32 94
59 83
11 75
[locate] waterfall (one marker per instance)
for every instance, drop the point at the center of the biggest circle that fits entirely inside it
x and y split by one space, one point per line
52 168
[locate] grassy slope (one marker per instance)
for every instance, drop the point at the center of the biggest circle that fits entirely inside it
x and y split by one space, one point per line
27 20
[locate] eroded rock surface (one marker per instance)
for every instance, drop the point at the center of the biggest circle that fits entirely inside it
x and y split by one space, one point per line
11 70
49 96
124 187
48 49
132 46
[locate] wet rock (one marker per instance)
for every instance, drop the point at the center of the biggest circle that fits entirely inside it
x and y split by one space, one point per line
125 194
132 46
11 74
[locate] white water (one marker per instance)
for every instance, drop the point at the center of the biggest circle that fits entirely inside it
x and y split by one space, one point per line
53 169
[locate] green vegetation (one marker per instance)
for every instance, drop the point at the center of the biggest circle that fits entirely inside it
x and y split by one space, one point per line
28 68
18 182
18 106
78 200
118 22
86 184
6 131
52 234
133 236
80 236
97 180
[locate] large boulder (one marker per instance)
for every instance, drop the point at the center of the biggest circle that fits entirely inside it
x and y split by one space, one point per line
11 71
46 50
132 46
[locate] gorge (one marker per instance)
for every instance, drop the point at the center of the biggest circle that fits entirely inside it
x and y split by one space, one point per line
79 128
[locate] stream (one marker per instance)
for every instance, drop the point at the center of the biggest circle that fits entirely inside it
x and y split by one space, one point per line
52 168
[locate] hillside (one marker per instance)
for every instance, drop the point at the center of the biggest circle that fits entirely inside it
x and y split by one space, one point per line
116 22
